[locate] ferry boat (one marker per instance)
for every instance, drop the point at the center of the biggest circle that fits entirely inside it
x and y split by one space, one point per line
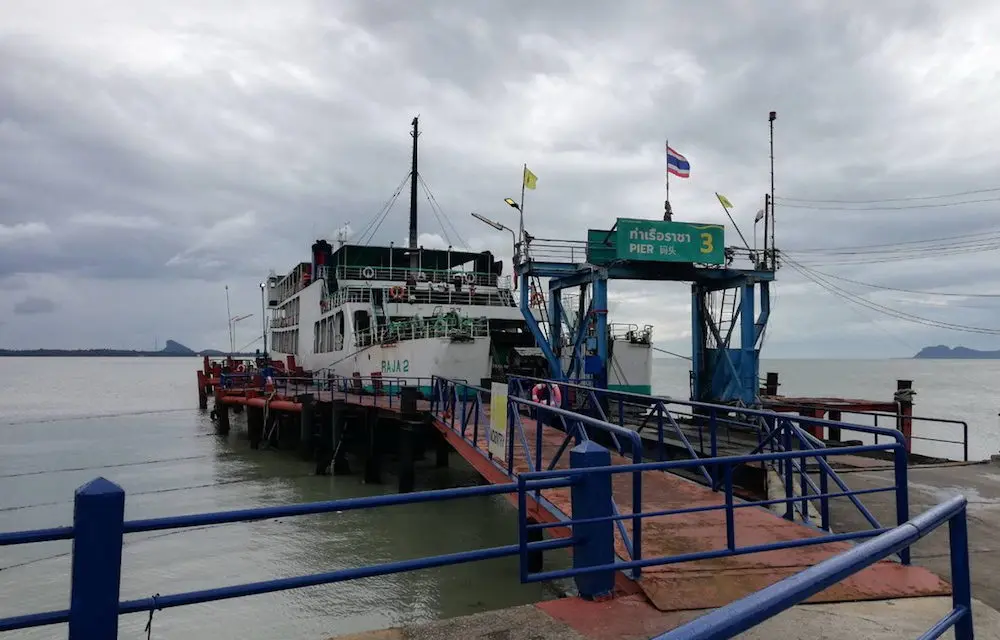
409 313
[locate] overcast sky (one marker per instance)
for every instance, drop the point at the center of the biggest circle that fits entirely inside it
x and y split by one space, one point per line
153 152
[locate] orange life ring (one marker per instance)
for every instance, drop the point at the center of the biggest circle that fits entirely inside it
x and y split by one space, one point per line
397 293
555 395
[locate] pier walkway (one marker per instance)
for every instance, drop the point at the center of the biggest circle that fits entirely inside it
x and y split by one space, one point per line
700 547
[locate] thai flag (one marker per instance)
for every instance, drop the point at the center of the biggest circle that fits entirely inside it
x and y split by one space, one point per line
677 164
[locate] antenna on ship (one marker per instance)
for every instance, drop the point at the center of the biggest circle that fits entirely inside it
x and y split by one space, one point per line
414 176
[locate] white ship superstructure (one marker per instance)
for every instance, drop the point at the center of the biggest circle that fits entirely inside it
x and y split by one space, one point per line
409 313
368 312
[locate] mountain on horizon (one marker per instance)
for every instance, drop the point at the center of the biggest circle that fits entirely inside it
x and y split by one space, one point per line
943 352
171 348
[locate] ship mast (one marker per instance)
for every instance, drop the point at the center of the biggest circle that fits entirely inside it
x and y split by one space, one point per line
414 176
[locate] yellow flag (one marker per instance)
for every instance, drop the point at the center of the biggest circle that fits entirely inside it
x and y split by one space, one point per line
530 179
724 201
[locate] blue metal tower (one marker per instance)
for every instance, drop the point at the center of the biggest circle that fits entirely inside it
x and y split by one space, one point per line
729 307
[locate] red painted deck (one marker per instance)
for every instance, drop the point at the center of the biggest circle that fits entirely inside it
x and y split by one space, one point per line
706 583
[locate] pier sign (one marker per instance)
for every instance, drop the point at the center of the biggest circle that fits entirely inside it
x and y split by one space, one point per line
658 241
498 420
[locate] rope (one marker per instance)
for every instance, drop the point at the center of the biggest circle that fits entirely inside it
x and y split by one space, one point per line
904 395
149 623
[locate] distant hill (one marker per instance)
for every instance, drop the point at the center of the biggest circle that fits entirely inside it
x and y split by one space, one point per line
942 352
171 349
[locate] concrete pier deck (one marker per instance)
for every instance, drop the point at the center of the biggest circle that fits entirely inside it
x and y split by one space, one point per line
631 619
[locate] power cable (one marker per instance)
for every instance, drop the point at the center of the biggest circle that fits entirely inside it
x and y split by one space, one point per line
903 199
902 315
914 291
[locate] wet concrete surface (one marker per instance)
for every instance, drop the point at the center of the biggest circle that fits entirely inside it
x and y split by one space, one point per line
979 483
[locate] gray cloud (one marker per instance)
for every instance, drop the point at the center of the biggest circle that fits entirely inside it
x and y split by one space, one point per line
33 305
155 153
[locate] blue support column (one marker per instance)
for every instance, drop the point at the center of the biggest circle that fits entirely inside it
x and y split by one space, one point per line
592 498
697 343
98 516
555 366
601 309
748 345
555 323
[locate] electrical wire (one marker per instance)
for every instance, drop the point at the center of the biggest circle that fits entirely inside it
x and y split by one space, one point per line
914 291
943 240
903 199
902 315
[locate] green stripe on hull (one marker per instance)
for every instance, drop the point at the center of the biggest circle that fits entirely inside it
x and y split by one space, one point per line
642 389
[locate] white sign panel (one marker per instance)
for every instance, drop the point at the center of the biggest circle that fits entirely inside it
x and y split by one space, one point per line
498 420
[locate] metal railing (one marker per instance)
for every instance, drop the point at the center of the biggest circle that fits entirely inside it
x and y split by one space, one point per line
748 612
376 390
99 527
956 443
461 407
404 274
441 326
759 430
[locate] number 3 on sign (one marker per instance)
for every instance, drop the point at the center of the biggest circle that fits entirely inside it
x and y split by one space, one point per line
706 243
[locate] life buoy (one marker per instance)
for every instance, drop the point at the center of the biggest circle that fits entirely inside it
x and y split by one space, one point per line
470 278
368 273
421 276
241 368
555 395
397 292
537 299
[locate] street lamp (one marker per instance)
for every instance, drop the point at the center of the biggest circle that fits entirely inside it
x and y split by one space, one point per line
263 317
500 227
232 326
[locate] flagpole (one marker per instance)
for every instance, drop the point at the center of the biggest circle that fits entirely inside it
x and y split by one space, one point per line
667 214
524 175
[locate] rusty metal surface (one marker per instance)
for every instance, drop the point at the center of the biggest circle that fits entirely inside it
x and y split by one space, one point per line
719 581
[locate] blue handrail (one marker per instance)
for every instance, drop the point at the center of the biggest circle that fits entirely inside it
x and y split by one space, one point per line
727 621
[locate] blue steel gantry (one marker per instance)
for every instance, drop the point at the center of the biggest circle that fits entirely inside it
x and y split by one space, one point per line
729 307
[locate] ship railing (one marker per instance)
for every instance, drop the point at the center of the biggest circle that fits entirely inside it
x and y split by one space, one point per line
748 612
430 327
631 332
418 275
704 431
344 295
422 295
279 323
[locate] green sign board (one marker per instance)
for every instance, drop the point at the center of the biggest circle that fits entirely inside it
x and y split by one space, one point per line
658 241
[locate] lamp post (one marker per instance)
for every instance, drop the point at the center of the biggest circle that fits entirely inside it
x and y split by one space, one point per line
263 317
232 325
513 238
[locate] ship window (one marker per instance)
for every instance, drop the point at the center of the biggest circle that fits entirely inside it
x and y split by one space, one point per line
338 338
362 321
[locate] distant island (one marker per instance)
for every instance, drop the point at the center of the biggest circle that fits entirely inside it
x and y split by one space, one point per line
942 352
172 349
